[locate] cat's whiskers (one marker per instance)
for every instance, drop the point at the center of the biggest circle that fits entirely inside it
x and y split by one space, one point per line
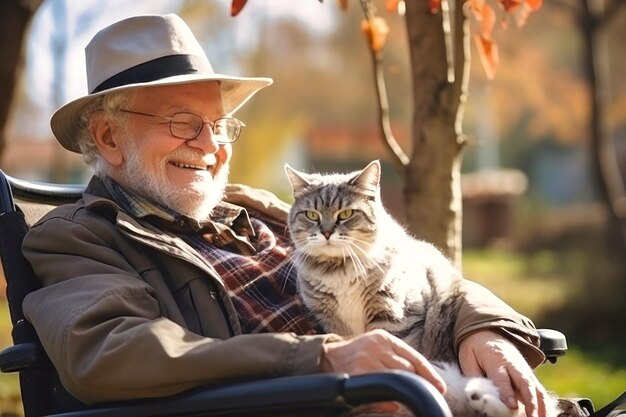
365 243
298 255
367 256
343 254
359 267
286 276
356 262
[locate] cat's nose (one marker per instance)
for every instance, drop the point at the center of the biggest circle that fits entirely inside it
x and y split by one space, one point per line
327 234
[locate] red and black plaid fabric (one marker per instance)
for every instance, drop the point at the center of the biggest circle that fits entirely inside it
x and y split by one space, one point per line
250 254
262 284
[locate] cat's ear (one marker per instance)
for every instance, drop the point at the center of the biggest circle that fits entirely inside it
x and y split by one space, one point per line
368 179
297 180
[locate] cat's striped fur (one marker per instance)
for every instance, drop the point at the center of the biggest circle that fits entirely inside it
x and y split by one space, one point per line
359 270
369 273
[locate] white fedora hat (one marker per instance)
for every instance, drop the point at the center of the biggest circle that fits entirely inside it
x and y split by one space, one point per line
145 51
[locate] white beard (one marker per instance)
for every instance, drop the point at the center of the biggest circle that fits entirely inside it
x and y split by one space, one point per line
197 200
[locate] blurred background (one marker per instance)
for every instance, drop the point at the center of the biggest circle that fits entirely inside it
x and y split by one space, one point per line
536 228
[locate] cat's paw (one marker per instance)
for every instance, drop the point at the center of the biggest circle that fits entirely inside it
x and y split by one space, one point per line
483 398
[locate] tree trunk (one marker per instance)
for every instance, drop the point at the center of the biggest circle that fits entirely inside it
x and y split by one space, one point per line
605 167
432 188
15 17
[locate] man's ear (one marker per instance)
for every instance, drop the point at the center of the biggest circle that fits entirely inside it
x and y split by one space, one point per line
106 141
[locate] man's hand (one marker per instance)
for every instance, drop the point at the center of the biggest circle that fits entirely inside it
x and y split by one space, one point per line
489 354
377 351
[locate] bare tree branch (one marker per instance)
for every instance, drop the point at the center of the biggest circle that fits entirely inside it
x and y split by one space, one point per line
462 65
401 159
446 26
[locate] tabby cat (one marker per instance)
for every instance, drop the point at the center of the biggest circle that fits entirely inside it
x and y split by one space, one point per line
359 270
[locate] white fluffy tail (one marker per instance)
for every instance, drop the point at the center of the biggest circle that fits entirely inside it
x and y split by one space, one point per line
473 397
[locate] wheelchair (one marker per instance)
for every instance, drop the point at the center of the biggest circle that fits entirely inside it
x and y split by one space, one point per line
315 395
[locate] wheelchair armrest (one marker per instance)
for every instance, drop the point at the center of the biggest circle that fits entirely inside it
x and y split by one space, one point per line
552 343
418 395
19 357
308 393
43 192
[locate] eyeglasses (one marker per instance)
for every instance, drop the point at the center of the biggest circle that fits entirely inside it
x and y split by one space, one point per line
188 126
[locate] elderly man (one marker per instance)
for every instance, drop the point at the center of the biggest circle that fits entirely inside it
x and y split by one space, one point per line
163 277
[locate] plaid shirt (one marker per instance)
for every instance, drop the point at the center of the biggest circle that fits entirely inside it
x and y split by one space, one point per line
250 254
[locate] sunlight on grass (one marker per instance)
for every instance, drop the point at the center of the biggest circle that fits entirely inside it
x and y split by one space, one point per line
538 282
576 375
529 285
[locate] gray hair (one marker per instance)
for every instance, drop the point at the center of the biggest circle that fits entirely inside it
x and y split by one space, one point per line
110 104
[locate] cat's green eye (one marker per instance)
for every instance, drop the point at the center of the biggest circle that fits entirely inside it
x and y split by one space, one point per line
344 214
312 215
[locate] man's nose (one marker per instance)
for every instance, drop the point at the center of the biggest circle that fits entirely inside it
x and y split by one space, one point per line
206 140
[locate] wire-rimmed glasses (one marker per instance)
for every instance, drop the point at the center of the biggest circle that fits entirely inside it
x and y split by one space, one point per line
187 126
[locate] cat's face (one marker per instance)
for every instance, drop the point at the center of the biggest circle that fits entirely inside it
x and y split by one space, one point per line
334 215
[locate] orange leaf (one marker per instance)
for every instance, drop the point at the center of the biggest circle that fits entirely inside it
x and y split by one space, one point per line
375 31
367 31
236 7
391 5
510 5
488 21
488 54
434 6
476 7
534 4
522 15
343 4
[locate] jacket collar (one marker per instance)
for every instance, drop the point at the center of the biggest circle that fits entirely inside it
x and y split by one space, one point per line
100 195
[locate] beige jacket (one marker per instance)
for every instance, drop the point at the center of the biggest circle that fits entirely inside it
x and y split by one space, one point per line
130 311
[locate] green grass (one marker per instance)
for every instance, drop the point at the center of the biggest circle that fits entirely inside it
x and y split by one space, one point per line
530 285
544 281
579 374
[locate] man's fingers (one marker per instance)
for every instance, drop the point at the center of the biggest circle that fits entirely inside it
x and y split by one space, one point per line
420 365
505 366
469 364
378 351
502 380
542 401
527 390
397 362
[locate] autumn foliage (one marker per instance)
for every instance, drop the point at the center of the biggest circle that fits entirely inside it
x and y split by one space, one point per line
486 13
236 6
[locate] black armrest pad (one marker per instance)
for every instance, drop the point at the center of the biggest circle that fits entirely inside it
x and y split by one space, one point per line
19 357
553 343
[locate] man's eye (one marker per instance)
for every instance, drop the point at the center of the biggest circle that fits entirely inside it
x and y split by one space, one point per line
220 127
312 215
345 214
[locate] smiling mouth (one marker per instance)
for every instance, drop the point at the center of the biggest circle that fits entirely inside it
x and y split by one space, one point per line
191 166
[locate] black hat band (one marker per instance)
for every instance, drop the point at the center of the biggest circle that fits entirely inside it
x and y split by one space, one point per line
156 69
